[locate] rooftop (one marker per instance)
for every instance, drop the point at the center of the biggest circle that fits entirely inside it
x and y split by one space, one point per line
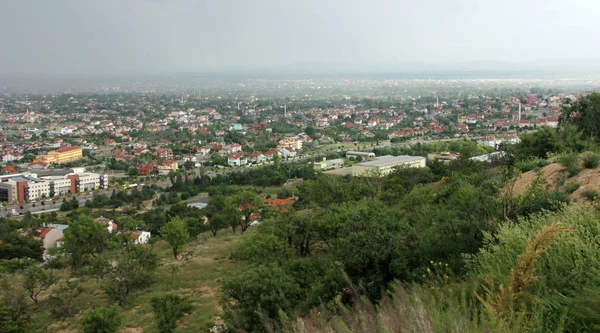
388 160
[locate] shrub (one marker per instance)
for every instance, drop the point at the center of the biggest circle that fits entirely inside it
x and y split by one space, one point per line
571 162
531 164
590 194
591 160
570 188
103 320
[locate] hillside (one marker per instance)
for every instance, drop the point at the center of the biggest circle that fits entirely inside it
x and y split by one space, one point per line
555 177
197 279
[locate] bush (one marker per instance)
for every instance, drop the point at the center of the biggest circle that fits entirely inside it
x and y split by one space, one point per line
571 162
103 320
570 188
590 194
591 160
531 164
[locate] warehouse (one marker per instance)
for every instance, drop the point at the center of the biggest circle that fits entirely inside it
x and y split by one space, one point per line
383 165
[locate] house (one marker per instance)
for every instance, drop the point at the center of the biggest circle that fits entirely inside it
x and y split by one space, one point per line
287 152
236 160
9 157
257 157
140 237
146 169
280 204
49 237
164 153
167 167
233 148
269 154
323 122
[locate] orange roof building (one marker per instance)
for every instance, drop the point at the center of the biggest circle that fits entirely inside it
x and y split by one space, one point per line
61 155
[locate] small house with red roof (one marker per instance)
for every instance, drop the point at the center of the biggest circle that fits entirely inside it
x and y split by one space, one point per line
236 159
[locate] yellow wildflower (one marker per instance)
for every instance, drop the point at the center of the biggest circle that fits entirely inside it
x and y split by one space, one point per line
428 270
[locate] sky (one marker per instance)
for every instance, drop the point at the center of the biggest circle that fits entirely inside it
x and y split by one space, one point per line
115 37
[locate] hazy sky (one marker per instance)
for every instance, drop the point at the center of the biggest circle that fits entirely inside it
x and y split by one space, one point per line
158 36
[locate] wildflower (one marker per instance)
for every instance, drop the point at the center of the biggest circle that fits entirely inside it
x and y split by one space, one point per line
446 265
428 270
431 262
424 275
440 263
446 277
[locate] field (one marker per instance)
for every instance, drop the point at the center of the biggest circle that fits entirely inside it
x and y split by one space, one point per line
197 279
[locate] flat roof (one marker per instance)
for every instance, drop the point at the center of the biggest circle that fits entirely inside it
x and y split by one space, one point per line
388 160
359 152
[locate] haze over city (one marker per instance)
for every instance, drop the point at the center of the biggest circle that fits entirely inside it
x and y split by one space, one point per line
92 38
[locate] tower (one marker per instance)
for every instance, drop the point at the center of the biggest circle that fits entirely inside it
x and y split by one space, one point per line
519 112
285 111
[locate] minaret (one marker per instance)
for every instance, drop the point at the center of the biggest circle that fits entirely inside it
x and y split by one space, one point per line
437 102
519 112
285 111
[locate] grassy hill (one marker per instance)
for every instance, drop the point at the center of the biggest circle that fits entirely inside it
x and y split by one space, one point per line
197 279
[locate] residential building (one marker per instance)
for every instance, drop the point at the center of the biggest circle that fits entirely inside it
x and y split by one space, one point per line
167 167
51 237
164 153
384 165
236 159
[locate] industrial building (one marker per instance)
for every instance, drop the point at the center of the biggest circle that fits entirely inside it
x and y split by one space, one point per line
326 164
443 156
29 186
363 156
384 165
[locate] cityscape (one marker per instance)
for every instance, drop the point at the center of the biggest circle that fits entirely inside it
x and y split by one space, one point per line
302 166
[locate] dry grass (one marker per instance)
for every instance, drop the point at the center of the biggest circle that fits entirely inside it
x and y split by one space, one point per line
508 301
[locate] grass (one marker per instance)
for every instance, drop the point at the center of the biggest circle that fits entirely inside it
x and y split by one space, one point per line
571 187
197 279
590 194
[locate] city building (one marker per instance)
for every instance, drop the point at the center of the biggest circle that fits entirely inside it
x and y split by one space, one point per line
28 186
384 165
61 155
443 156
360 155
326 164
167 167
23 188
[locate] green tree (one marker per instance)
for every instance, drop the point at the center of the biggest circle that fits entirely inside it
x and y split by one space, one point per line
14 245
132 171
585 115
188 165
176 234
126 270
249 297
102 320
62 299
84 237
247 203
167 310
38 280
277 162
